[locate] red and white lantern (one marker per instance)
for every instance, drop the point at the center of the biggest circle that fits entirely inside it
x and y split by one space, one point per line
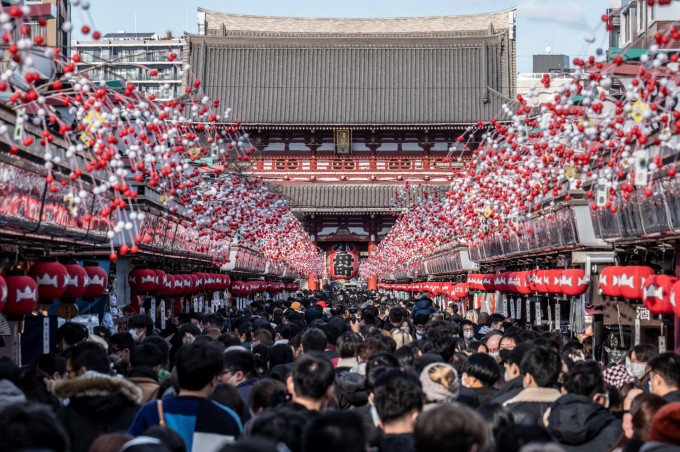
142 280
50 277
97 280
573 282
76 282
22 295
632 280
657 293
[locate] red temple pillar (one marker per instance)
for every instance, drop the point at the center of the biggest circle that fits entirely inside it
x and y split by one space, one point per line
373 281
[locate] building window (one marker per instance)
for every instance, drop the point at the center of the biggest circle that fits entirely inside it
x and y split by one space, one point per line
641 16
626 28
652 11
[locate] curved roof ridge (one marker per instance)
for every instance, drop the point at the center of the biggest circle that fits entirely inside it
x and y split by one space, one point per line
352 25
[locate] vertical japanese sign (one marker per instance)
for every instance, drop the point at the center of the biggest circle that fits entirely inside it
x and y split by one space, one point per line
343 261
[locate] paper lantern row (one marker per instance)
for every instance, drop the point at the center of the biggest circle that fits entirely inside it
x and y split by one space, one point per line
452 290
246 288
570 282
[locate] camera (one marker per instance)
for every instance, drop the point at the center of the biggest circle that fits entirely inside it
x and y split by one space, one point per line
353 311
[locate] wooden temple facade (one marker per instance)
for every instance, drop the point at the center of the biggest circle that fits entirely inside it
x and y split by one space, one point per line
344 112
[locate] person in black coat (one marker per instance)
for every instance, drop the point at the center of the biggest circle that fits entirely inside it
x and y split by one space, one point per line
98 403
580 420
664 376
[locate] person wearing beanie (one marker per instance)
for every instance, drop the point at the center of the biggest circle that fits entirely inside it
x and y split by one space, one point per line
440 384
665 429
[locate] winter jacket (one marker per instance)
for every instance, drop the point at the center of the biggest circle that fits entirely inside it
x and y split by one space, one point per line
672 397
509 390
529 406
244 389
423 306
10 394
97 404
578 423
350 390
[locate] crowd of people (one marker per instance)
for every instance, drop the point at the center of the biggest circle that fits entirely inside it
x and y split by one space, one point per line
337 371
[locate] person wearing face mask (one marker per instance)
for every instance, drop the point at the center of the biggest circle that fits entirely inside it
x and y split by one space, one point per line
580 419
468 331
121 346
512 375
140 326
637 359
493 345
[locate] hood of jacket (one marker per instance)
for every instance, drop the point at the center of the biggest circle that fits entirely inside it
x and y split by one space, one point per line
352 386
423 306
98 395
575 419
9 394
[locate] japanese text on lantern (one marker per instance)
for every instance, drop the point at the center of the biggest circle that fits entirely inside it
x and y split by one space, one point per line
343 261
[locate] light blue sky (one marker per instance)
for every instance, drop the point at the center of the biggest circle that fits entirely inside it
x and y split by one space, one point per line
559 24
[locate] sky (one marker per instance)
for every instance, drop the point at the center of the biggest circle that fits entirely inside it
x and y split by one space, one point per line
560 26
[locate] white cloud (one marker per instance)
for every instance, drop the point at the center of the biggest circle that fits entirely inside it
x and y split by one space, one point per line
563 13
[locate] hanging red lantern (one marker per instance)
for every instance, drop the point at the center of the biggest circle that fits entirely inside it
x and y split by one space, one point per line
522 283
179 284
553 284
3 292
488 283
573 282
632 280
142 280
50 278
159 277
76 282
97 280
657 293
609 281
500 282
238 288
675 298
201 281
461 290
22 295
226 282
166 288
193 283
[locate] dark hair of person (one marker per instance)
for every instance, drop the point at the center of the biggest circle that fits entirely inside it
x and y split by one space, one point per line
72 333
474 346
459 344
450 427
396 394
110 442
281 425
484 368
312 375
123 341
264 336
396 316
168 437
314 340
348 342
544 365
141 321
230 339
266 394
406 357
515 437
585 378
32 426
496 416
9 370
240 360
215 320
34 388
370 347
667 365
261 355
336 431
162 345
642 409
51 363
246 330
388 341
91 356
377 364
644 352
197 365
147 354
283 331
280 354
190 328
228 396
496 318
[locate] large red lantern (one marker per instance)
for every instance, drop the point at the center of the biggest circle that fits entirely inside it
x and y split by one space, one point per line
554 281
22 295
3 292
657 293
50 278
343 260
142 280
238 288
76 282
226 282
609 281
97 280
675 298
201 281
488 283
573 282
541 279
632 280
521 283
179 284
461 290
500 282
166 287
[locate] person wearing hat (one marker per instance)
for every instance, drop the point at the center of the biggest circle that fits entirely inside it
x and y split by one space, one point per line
296 306
665 429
